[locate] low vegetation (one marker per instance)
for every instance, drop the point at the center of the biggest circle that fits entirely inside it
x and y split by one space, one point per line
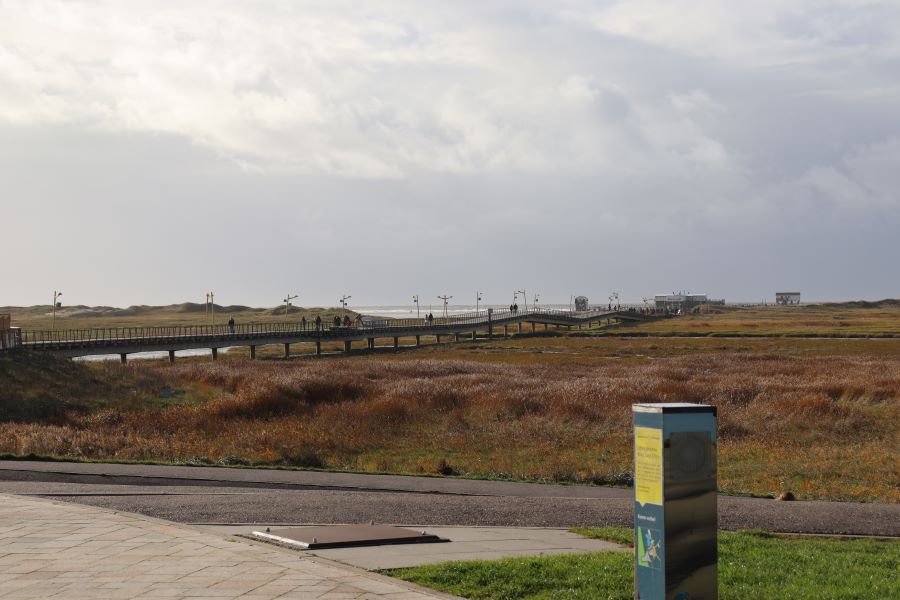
817 417
751 565
875 319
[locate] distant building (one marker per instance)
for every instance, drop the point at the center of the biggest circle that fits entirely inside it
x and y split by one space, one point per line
581 303
682 301
787 298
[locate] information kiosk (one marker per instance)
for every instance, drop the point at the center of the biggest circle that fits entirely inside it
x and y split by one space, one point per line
675 502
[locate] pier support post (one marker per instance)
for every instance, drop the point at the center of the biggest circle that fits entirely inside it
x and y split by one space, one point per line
457 337
418 341
396 342
318 348
123 358
252 352
347 346
287 350
371 343
438 336
533 327
506 331
473 335
172 357
215 353
520 327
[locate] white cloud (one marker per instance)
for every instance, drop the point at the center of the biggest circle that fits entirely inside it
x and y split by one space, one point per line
320 88
582 126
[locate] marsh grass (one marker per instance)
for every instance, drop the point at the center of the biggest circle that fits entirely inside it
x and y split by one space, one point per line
809 419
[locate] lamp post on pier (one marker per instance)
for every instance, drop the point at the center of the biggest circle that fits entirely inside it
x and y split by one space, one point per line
477 300
344 299
287 303
211 307
416 300
56 296
524 297
445 298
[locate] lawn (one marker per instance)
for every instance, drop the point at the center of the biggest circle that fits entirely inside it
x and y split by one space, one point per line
751 565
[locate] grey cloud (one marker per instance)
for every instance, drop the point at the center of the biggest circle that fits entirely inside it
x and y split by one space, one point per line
410 147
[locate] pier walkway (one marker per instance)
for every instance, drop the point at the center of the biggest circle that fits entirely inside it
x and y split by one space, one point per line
128 340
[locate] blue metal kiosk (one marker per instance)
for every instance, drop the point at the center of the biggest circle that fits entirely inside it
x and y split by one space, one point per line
675 522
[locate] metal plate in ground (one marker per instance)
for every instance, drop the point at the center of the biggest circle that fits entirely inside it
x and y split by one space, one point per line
346 536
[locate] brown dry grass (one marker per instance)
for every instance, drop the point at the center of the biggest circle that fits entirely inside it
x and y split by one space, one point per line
820 420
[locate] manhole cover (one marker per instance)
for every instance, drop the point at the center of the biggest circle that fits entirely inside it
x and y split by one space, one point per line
346 536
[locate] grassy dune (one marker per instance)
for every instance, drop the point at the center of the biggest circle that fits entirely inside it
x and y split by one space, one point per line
818 417
874 319
188 313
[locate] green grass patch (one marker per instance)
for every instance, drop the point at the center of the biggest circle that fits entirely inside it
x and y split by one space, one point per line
618 535
752 564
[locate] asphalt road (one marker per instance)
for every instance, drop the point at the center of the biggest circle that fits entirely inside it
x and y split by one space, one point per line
212 495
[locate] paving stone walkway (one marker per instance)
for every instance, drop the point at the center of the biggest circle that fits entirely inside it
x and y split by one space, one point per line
62 550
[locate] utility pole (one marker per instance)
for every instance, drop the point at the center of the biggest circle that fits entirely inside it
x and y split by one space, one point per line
56 295
287 303
445 298
524 297
477 300
416 300
344 299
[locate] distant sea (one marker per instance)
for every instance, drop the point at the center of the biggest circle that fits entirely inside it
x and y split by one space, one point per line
406 312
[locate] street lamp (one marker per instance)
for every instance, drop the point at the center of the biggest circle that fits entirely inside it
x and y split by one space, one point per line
211 307
524 297
445 298
416 300
477 300
287 303
56 295
536 297
344 299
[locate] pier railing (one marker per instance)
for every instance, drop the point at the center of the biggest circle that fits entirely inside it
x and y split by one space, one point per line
359 326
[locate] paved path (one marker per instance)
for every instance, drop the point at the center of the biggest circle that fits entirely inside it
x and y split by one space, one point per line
218 495
466 543
67 551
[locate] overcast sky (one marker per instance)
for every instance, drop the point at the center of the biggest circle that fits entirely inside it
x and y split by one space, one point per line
153 151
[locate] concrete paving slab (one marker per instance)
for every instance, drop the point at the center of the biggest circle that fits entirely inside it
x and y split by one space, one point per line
142 557
466 543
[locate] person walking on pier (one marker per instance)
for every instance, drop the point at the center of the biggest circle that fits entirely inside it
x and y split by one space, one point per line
318 323
231 324
303 323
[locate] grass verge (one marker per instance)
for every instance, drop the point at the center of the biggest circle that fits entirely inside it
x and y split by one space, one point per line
752 564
